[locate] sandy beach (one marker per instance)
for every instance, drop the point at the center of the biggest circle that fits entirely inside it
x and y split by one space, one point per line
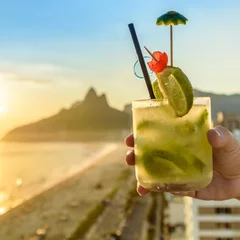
58 211
97 203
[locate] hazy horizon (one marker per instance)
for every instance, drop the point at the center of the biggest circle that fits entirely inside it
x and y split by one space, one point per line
53 52
121 108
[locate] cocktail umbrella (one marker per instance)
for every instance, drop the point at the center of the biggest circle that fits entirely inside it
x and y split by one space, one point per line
171 18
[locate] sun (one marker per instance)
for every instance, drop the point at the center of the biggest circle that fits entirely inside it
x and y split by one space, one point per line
2 109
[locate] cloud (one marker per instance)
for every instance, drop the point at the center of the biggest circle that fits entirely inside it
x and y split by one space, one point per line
9 76
36 81
38 68
44 73
35 73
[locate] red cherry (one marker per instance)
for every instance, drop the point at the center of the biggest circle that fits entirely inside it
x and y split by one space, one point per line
159 62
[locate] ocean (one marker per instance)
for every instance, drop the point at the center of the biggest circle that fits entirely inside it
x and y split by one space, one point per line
27 169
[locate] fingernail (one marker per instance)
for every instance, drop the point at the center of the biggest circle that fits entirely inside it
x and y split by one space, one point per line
218 133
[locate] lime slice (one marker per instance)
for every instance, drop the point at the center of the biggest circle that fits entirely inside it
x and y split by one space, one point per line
159 167
188 127
202 119
156 90
160 162
177 88
147 124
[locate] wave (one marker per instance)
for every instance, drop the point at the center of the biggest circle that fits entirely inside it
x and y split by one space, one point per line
74 171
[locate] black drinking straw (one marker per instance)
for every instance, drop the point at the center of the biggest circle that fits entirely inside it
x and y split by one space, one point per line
141 60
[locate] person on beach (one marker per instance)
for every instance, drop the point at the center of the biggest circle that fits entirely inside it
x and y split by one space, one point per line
226 167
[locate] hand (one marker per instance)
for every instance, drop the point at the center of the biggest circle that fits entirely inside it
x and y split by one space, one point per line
226 166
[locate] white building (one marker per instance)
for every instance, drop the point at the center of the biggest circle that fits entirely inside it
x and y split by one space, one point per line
212 220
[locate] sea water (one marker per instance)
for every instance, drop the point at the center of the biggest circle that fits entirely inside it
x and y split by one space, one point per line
27 169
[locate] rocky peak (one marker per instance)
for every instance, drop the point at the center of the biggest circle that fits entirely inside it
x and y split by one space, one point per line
103 100
91 95
92 99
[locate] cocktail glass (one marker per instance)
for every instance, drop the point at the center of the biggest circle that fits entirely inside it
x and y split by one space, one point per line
172 153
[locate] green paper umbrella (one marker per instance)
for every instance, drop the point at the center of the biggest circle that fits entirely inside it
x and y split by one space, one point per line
171 18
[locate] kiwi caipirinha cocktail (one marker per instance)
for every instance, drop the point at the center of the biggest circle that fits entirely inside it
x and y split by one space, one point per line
172 152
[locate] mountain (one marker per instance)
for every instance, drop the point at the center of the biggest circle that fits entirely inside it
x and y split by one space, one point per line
94 119
219 103
91 118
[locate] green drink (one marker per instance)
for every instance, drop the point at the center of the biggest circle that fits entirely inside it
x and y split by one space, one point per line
172 153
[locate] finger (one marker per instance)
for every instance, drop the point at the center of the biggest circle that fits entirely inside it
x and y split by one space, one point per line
222 140
130 157
141 190
129 140
226 152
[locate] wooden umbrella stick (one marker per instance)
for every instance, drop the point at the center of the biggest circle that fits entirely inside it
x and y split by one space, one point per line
151 54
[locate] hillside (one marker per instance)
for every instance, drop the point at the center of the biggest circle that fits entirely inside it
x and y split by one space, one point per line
94 119
90 117
221 102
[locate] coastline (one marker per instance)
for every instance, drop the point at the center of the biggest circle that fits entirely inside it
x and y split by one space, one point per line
69 201
97 201
67 136
90 161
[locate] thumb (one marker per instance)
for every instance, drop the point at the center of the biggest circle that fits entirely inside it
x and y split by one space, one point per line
222 140
226 151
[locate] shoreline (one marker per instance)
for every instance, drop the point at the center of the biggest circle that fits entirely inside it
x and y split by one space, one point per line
67 136
90 161
59 210
98 200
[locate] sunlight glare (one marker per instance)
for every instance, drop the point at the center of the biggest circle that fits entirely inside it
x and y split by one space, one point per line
2 210
19 181
2 109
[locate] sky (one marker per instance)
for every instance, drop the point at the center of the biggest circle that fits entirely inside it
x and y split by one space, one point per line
52 52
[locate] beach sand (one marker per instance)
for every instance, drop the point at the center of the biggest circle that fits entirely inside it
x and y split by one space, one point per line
59 210
94 204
